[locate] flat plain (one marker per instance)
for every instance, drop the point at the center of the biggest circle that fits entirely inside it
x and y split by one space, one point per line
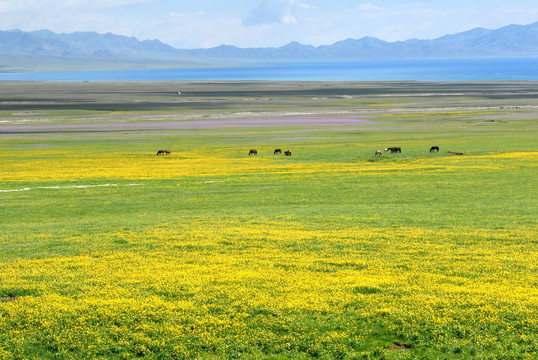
109 251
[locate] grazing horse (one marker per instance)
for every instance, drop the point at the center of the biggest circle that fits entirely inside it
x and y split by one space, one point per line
252 152
277 151
287 153
160 152
378 153
434 148
167 152
394 149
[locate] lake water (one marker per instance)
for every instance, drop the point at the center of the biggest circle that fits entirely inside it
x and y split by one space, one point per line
419 70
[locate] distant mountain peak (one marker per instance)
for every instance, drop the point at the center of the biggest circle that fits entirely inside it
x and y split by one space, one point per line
508 41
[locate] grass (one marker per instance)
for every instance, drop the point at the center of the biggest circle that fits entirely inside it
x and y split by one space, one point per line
111 252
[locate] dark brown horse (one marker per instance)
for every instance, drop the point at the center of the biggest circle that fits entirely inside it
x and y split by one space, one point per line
434 148
394 149
252 152
287 153
160 152
277 151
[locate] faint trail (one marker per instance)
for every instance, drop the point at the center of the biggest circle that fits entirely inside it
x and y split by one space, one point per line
66 187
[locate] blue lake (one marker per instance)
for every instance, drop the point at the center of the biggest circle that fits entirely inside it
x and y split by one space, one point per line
418 70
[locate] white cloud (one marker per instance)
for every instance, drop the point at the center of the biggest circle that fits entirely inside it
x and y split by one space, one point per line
186 15
368 6
271 12
306 6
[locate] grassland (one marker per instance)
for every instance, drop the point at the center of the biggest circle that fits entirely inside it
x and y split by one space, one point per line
111 252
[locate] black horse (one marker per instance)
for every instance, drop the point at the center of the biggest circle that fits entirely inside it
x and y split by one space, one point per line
434 148
160 152
164 152
287 153
277 151
252 152
394 149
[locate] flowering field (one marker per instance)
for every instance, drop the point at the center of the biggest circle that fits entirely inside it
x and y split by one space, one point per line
111 252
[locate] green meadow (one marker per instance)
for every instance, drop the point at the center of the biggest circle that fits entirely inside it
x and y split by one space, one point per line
109 251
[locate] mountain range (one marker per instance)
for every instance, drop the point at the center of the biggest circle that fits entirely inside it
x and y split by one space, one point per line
45 49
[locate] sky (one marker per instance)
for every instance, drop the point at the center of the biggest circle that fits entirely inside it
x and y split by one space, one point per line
265 23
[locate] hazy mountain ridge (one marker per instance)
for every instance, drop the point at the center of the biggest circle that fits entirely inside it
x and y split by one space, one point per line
81 43
508 41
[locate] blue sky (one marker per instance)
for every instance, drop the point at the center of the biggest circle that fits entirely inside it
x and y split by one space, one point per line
264 23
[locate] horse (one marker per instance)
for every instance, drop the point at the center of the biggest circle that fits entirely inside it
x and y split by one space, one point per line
394 149
160 152
378 153
277 151
252 152
434 148
287 153
167 152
